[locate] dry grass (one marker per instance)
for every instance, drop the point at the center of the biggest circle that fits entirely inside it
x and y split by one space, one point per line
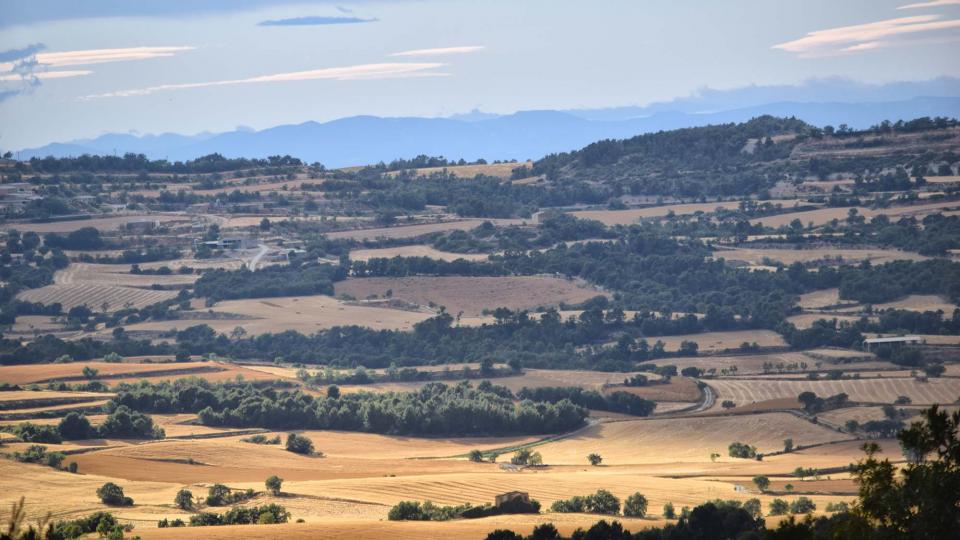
94 296
921 302
822 299
885 390
471 295
35 373
413 251
806 320
500 170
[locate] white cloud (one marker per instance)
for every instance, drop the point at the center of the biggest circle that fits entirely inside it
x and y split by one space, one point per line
395 70
932 3
100 56
862 37
440 51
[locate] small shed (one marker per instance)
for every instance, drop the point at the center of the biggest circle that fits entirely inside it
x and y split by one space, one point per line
511 496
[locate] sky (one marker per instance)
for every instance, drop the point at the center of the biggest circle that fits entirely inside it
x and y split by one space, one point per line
71 70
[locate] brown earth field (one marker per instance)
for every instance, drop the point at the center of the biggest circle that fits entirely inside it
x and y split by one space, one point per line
790 256
627 217
881 390
822 216
470 295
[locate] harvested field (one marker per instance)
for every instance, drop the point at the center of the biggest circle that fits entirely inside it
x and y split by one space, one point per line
790 256
119 275
412 231
921 302
806 320
500 170
678 389
683 439
102 223
822 299
42 373
413 251
885 390
471 295
720 341
822 216
94 296
306 314
627 217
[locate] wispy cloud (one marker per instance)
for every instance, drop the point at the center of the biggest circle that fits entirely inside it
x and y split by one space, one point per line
394 70
44 75
12 55
344 9
932 3
440 51
315 21
864 37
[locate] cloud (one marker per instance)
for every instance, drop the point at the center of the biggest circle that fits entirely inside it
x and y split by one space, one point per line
933 3
440 51
863 37
394 70
12 55
43 75
315 21
344 9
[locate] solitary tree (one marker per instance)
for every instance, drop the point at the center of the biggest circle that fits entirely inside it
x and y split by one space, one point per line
184 499
788 487
112 495
788 445
727 404
274 483
779 507
668 511
299 444
635 505
476 456
762 482
595 459
90 373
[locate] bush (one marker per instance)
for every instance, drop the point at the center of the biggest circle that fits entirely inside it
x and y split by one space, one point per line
218 495
668 511
28 432
261 439
112 494
762 482
38 454
476 456
299 444
635 505
595 459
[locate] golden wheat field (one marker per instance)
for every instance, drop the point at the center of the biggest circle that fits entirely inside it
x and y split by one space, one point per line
413 251
790 256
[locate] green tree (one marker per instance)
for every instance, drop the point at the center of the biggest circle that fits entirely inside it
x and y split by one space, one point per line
112 494
788 445
635 505
476 456
217 495
922 498
74 426
184 499
762 482
668 511
90 373
299 444
595 459
803 505
603 502
273 484
779 507
752 506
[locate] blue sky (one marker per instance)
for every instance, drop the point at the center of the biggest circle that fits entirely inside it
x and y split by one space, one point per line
79 69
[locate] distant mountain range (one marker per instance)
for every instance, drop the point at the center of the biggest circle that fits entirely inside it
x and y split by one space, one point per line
531 134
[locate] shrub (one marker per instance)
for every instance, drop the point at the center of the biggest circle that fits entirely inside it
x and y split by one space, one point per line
635 505
595 459
28 432
752 506
112 494
762 482
261 439
476 456
299 444
218 495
